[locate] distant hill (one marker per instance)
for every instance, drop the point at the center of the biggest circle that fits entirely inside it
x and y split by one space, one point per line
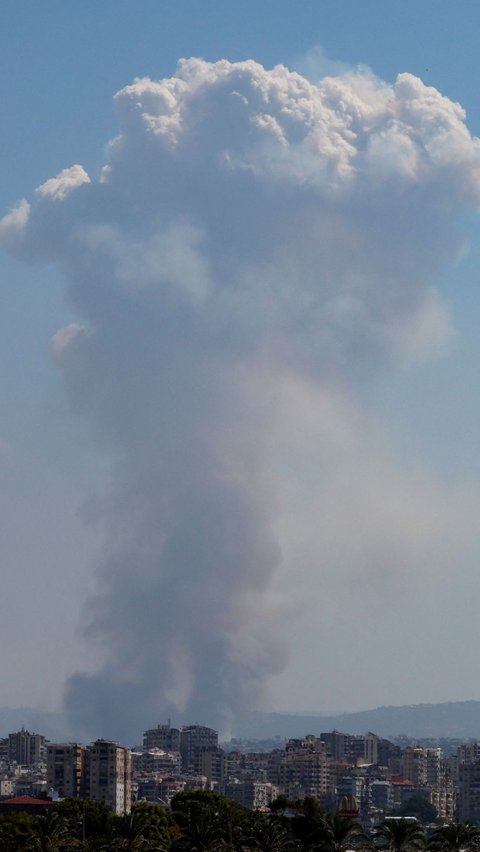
452 719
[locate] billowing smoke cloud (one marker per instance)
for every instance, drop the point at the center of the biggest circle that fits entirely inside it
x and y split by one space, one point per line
249 230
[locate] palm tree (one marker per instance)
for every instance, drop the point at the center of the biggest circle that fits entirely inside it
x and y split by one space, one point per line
15 830
336 833
400 835
205 821
201 830
268 834
455 837
137 832
51 833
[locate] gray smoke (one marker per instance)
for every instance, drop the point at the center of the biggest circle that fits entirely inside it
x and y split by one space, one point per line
249 229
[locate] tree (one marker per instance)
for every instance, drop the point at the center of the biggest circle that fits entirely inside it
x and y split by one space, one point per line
420 807
282 803
49 833
138 831
305 819
267 834
207 821
88 820
15 829
400 835
455 837
336 833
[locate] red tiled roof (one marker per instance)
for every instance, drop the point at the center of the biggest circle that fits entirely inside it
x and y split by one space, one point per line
27 800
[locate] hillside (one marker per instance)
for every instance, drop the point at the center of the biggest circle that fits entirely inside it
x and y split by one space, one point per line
451 719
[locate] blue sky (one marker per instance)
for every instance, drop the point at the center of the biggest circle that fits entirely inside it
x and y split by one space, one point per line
61 63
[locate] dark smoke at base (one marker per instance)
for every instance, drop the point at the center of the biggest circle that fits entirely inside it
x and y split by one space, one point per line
213 563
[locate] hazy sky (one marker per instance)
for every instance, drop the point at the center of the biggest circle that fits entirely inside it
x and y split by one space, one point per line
351 439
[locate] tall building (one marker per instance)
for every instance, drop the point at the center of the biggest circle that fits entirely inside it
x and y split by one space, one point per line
380 795
192 739
65 769
434 766
371 748
335 743
25 748
211 761
163 736
415 765
468 752
389 755
469 792
306 773
108 775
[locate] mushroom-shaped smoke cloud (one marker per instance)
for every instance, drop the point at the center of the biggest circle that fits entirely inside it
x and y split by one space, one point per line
249 226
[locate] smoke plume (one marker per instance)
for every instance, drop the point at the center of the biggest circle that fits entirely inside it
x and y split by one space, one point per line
250 229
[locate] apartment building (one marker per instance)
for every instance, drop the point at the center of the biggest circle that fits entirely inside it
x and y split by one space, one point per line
192 739
211 761
163 736
156 760
66 769
251 794
380 796
25 748
108 775
101 772
469 792
306 773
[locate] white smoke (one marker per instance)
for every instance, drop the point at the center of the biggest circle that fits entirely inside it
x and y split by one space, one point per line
249 229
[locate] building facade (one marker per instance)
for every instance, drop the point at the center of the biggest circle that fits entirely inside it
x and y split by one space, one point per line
163 736
25 748
108 775
192 739
66 769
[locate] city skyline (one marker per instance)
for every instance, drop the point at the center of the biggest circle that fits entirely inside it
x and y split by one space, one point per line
369 777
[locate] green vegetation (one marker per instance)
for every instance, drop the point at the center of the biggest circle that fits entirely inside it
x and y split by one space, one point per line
202 821
456 837
400 835
420 807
